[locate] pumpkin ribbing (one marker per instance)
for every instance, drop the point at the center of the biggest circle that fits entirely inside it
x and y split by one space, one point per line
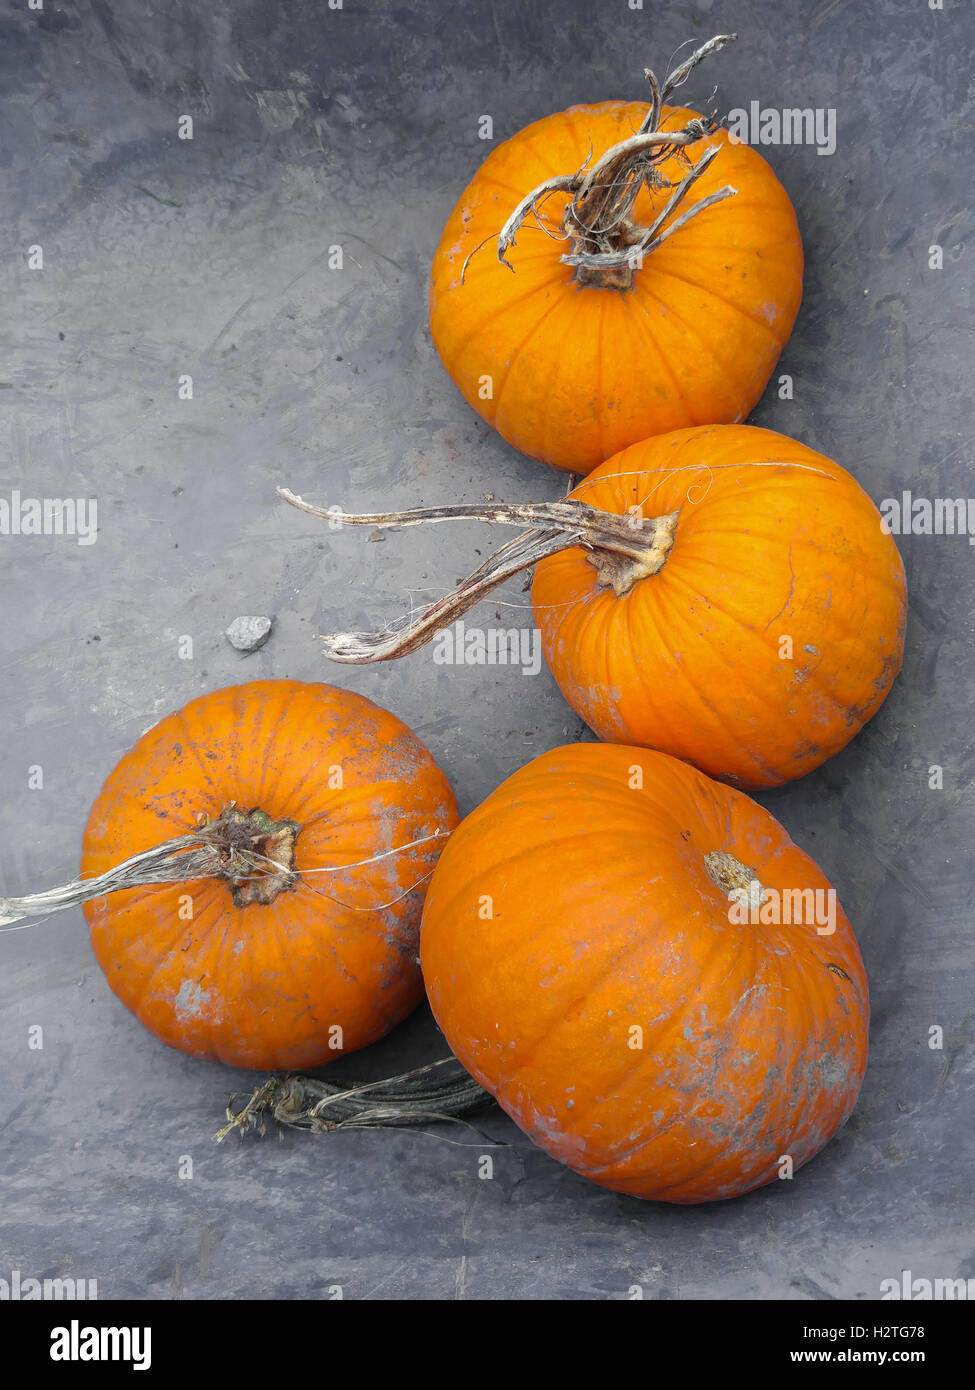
615 312
585 967
253 871
724 594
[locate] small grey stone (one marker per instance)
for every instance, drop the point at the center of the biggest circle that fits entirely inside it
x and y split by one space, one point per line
247 634
376 536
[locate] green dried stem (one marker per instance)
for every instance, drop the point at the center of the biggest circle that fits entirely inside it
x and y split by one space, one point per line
440 1091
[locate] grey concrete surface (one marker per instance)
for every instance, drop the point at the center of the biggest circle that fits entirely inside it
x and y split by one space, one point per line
209 257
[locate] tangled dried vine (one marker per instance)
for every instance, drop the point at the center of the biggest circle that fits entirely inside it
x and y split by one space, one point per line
440 1091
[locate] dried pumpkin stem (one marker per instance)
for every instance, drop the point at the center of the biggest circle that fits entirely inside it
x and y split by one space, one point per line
623 549
731 875
656 232
250 852
608 529
681 73
180 859
606 247
440 1091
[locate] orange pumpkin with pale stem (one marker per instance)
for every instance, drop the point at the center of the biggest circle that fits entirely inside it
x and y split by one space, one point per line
259 966
723 594
761 629
571 364
587 966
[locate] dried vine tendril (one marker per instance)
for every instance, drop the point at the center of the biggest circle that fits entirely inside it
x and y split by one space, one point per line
440 1091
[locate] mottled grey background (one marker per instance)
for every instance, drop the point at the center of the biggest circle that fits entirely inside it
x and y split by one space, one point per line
359 127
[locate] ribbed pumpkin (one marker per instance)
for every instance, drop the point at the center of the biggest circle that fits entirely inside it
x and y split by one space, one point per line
580 954
723 594
571 364
260 969
765 625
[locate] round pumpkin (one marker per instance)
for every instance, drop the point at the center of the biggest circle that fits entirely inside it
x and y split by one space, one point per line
307 948
765 624
654 982
571 365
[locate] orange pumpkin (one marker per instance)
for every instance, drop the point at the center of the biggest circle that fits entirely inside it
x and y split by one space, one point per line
596 960
570 363
723 594
764 625
288 959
